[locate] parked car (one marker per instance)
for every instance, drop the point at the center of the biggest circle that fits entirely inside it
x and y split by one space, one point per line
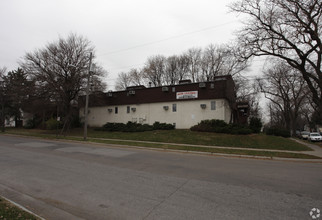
305 134
315 136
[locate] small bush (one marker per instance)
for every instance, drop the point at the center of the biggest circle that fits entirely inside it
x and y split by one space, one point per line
128 127
162 126
113 127
255 124
75 121
239 129
135 127
53 124
30 124
219 126
202 128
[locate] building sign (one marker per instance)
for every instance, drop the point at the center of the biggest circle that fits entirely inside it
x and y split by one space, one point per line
187 95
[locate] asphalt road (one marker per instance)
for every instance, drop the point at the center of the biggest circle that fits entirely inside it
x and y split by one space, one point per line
60 180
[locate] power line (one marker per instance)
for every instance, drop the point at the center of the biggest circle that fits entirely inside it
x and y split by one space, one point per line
125 67
166 39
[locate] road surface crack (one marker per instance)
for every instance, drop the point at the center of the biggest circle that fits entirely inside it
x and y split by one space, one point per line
170 195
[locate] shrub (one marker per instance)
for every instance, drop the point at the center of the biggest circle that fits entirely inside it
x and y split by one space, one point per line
202 127
113 127
128 127
135 127
53 124
219 126
75 121
255 124
162 126
30 124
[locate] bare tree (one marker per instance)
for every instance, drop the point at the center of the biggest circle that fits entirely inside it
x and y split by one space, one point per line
61 68
136 77
3 71
123 80
248 91
234 63
172 70
132 78
286 90
289 30
220 60
154 70
194 57
210 63
183 66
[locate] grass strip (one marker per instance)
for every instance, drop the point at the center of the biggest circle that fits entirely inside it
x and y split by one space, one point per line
208 150
254 141
176 147
9 211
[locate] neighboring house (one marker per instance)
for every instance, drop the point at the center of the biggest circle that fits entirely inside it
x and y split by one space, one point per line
10 122
183 105
25 117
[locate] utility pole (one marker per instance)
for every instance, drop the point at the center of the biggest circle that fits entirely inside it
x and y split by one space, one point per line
2 107
87 97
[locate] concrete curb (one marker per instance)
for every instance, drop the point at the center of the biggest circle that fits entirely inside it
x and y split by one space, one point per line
184 151
22 208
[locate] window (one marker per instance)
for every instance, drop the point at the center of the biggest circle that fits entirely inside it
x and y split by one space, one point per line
116 110
174 107
128 109
213 105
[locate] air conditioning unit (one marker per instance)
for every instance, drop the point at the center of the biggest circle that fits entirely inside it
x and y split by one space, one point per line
203 106
133 109
165 89
131 92
166 108
202 85
109 110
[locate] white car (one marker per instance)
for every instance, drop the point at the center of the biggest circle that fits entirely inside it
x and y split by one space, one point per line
305 134
314 136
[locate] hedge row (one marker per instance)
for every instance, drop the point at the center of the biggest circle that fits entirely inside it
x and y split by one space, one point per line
219 126
134 127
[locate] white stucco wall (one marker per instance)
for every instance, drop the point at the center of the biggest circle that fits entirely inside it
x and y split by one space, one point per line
188 113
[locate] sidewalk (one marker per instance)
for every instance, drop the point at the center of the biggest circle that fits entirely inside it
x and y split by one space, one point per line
317 151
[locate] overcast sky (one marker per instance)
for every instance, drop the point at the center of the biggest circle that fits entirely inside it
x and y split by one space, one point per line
124 32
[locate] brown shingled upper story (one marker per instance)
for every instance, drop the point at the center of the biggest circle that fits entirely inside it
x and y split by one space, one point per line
222 87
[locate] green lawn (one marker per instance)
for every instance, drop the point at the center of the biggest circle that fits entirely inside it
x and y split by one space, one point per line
183 139
10 212
204 138
186 137
206 149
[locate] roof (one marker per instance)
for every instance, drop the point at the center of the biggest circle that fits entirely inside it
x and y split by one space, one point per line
222 87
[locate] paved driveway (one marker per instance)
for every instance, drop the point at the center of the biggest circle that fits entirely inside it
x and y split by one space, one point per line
60 180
